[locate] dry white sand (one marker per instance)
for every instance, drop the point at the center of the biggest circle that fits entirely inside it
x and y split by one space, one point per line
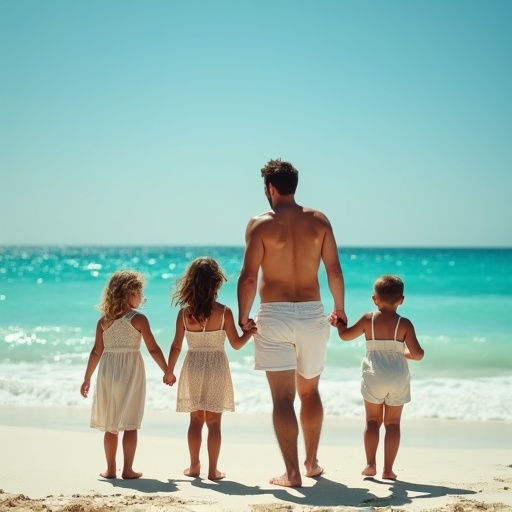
51 460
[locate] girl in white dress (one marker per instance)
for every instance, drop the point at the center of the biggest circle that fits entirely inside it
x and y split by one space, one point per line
205 389
120 392
385 380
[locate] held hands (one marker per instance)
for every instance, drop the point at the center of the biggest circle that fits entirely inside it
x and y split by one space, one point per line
169 378
248 326
338 319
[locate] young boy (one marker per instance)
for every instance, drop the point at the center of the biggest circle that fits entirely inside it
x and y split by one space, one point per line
385 382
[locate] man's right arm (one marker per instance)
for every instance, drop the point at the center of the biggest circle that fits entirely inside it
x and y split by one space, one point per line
335 279
248 280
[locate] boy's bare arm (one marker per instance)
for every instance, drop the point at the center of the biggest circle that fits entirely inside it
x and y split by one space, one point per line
413 348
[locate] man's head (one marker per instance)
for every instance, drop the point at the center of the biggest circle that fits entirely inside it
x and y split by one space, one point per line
281 175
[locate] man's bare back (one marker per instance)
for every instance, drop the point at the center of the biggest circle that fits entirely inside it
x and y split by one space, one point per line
293 238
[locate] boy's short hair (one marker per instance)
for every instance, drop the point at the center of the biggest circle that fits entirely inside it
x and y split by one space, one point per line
389 288
282 175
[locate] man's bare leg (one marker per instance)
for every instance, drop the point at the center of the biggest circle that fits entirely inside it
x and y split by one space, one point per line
282 388
311 419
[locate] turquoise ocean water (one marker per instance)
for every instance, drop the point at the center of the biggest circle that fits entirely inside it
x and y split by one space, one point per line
460 301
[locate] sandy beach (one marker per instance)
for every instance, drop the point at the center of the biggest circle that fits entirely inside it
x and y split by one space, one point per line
50 460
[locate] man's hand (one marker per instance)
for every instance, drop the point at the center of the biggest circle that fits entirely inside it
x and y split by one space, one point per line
248 326
338 318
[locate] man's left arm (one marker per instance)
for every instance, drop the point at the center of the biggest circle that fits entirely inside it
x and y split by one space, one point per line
335 279
248 280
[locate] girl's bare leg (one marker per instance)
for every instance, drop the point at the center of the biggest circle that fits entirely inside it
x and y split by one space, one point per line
374 414
110 447
129 447
392 415
194 437
213 421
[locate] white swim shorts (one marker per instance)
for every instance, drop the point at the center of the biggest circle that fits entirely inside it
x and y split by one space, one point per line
291 336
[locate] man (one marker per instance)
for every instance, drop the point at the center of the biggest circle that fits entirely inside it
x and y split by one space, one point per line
287 243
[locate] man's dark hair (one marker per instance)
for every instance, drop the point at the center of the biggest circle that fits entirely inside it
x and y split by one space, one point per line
282 175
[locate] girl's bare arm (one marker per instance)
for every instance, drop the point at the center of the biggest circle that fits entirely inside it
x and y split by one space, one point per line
175 350
235 340
94 359
141 323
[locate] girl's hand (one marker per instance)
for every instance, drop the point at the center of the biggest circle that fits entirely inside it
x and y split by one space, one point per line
84 389
169 379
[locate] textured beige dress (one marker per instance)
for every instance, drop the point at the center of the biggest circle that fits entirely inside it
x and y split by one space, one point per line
205 379
120 391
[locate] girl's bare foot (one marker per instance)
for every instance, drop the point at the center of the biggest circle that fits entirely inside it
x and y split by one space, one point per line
370 470
217 475
193 471
284 481
388 475
313 470
130 475
108 474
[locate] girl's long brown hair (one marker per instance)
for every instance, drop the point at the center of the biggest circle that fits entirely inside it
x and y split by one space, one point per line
197 289
116 294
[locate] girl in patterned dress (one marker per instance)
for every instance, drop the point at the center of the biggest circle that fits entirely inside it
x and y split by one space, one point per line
205 389
120 392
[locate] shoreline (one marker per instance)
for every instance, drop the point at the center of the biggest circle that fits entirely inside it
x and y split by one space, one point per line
52 458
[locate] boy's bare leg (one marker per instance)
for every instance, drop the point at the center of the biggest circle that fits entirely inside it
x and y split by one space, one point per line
392 415
194 437
311 419
213 422
374 413
129 447
110 440
282 388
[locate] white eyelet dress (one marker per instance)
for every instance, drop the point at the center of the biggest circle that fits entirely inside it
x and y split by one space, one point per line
385 372
205 378
120 391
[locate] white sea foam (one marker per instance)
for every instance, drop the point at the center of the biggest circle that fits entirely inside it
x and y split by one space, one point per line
462 399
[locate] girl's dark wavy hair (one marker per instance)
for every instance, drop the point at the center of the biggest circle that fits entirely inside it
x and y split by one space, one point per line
198 288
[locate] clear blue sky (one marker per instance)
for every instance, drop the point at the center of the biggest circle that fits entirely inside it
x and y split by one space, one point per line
147 122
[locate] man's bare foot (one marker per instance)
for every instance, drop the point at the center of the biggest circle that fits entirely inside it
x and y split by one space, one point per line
370 470
130 475
218 475
313 470
107 474
389 475
284 481
193 471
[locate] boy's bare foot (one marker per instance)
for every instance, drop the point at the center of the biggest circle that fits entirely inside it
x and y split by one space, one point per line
314 470
284 481
370 470
130 475
388 475
218 475
107 474
193 471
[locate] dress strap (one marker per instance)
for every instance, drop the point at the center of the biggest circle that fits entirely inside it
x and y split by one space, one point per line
222 321
184 319
373 334
396 328
130 314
